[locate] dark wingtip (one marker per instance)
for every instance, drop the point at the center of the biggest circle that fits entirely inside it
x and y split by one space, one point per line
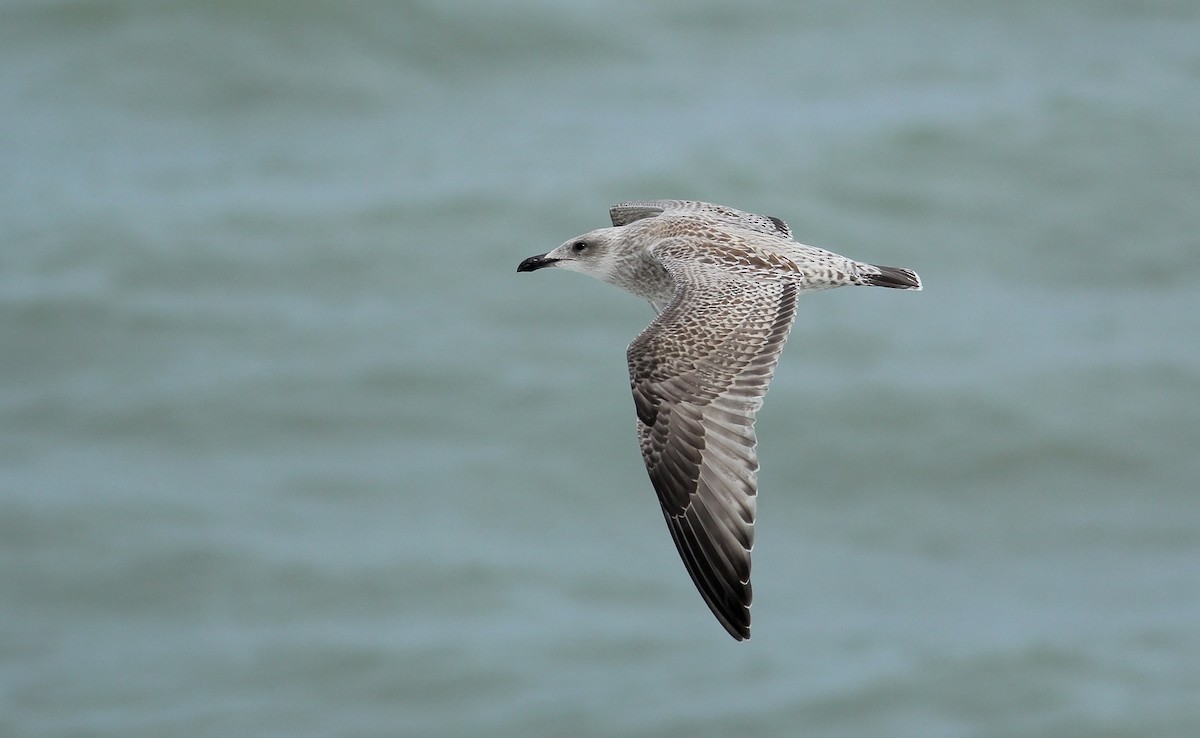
894 277
783 229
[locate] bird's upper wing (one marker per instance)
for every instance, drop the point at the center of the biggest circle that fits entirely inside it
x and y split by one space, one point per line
627 212
699 372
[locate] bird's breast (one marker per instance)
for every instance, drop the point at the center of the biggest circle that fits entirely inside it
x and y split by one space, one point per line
646 278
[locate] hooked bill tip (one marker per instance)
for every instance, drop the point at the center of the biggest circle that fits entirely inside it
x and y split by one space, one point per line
534 263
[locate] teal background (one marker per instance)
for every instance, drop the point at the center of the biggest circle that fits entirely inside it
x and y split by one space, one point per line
287 448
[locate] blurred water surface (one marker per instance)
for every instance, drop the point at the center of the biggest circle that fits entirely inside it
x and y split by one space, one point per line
287 448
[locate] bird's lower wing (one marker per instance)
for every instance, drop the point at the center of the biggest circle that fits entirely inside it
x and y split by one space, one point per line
699 373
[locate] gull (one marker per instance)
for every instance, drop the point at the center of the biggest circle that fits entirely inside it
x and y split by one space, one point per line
723 284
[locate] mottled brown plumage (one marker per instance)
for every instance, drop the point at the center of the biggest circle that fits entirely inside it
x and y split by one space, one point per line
724 283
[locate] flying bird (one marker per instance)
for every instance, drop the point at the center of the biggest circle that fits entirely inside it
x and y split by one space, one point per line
724 284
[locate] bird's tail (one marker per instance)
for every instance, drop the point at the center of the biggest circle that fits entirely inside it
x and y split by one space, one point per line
894 277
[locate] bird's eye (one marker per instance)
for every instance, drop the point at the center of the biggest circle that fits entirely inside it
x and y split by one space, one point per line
579 247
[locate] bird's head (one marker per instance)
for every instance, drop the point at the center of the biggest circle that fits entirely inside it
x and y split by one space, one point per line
596 253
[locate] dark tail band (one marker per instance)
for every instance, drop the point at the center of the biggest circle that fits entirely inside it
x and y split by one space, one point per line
894 277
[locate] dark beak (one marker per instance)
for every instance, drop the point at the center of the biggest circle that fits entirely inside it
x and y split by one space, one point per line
534 263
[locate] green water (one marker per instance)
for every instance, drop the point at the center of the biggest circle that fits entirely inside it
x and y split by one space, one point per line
287 447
